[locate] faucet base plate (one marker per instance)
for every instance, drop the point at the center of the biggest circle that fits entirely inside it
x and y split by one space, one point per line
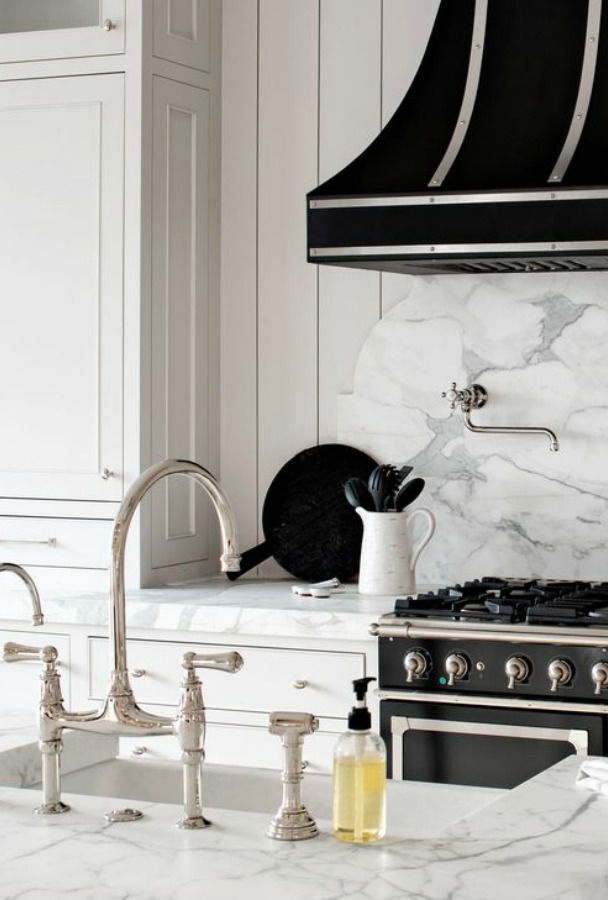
52 809
191 822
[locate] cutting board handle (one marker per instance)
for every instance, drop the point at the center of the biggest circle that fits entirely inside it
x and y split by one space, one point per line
252 558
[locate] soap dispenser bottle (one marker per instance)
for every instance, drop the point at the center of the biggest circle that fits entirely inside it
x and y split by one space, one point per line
359 776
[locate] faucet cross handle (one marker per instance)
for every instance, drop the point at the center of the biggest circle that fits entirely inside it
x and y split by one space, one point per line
473 397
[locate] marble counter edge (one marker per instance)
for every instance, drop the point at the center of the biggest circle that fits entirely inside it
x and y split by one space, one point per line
258 608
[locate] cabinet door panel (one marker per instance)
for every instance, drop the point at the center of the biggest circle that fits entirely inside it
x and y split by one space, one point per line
61 240
39 29
181 32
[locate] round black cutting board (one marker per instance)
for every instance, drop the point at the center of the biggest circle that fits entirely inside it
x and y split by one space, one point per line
309 527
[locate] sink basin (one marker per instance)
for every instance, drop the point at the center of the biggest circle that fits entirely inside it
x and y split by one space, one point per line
416 809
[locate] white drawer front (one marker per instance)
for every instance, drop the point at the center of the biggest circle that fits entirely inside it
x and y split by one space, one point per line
73 543
20 681
319 682
237 745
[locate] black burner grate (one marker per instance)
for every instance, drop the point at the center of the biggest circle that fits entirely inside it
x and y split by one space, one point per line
511 600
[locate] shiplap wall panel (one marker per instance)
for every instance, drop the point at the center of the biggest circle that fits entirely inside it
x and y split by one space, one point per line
306 86
406 28
239 383
287 284
350 97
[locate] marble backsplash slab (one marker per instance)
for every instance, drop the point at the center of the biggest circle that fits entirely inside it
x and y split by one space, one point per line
504 504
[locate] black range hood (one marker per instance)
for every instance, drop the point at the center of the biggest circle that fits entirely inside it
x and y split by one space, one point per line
496 160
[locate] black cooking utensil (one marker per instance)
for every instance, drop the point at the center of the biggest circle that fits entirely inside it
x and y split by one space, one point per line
309 528
357 494
408 492
380 485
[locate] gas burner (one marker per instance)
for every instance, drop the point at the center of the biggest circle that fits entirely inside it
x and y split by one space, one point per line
532 601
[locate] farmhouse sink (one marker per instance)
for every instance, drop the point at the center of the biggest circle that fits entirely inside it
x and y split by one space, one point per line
422 810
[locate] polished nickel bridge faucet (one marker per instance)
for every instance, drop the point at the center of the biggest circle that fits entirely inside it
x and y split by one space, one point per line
474 397
120 713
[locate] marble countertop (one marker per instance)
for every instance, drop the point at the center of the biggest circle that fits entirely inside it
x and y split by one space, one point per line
216 605
545 840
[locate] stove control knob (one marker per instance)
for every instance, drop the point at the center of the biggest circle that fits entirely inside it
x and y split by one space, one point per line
599 676
560 673
415 664
516 670
456 667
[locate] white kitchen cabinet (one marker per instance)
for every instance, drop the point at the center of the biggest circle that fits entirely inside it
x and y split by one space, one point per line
109 221
238 705
46 29
61 256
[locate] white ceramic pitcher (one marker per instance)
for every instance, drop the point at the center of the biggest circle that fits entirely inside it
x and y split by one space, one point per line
388 556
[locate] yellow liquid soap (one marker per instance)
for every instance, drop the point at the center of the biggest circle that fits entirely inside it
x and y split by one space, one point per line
359 798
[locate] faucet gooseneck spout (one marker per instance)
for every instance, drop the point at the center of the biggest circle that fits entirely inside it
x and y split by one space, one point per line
229 559
37 617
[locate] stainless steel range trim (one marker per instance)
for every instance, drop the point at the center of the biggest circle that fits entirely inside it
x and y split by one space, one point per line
504 702
461 249
469 96
594 12
395 626
401 724
447 199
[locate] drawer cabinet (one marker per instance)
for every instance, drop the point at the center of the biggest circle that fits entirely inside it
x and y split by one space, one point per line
20 681
315 681
70 543
239 745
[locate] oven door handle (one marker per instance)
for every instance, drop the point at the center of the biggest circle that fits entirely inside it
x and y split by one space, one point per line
401 724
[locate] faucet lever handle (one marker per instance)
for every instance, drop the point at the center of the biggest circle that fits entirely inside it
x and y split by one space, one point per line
224 662
16 652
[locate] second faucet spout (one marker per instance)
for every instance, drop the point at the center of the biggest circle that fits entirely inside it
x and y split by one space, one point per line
37 617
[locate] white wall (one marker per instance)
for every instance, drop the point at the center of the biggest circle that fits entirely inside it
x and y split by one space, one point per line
307 85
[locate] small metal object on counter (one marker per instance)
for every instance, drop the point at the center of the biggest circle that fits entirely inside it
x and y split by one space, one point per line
474 397
37 617
319 589
292 821
190 729
123 815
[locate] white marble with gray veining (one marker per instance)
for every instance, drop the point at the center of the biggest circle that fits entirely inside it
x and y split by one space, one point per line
545 840
216 605
505 504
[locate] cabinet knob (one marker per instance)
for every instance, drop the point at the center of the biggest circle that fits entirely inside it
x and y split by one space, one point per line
300 684
108 25
138 673
106 473
139 751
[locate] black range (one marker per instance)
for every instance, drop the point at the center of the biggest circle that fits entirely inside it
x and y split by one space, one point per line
489 681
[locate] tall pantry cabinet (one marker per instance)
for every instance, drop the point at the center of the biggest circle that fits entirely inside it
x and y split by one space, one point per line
109 290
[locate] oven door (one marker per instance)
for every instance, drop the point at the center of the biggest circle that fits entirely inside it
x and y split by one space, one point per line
452 743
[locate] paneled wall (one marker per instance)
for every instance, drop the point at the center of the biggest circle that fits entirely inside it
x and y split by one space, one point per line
307 85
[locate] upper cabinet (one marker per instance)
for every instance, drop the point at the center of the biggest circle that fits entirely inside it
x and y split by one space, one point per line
46 29
109 252
61 248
